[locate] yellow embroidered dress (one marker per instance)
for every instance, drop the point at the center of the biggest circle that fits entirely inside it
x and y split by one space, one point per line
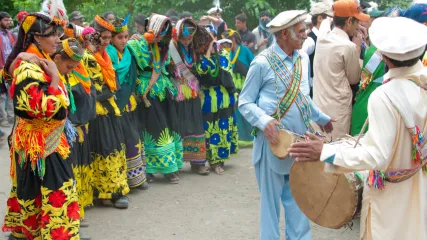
81 110
43 201
106 136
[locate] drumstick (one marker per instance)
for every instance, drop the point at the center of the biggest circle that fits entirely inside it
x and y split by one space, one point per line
361 132
351 137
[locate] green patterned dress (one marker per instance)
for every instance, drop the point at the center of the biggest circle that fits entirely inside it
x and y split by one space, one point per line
159 122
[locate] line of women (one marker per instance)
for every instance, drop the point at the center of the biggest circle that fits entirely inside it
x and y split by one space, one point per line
98 115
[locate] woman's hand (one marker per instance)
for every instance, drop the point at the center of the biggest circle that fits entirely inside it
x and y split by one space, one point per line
50 68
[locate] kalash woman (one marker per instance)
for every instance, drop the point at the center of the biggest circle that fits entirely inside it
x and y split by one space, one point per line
218 106
43 203
82 96
241 58
106 135
189 108
157 113
125 67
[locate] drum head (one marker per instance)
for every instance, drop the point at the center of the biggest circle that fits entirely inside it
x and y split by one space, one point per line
327 199
280 149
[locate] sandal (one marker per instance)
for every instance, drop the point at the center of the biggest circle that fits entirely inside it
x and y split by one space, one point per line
218 168
172 178
144 186
200 169
150 178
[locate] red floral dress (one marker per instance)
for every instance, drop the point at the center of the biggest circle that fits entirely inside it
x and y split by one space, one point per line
43 201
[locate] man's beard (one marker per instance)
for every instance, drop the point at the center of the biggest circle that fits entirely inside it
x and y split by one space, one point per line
2 26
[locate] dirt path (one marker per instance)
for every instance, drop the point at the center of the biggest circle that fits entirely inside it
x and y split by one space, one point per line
198 208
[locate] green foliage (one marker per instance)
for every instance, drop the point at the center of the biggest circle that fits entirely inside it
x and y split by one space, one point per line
15 6
90 8
384 4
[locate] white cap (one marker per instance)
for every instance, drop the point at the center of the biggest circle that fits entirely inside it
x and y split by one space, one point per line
308 19
214 10
320 7
398 38
287 19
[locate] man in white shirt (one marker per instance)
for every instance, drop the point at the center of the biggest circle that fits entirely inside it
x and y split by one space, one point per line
394 202
319 12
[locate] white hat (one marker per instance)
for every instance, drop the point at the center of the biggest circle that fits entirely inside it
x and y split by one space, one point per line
398 38
287 19
308 19
319 8
214 10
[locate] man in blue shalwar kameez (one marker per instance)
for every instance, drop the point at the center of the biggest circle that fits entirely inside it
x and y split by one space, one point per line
281 69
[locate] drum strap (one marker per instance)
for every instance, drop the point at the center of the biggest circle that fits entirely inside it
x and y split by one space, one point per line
292 94
376 178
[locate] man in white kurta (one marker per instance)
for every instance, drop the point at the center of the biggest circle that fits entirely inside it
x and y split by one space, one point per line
399 210
336 66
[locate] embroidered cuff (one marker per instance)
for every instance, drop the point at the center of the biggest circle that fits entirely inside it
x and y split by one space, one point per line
328 154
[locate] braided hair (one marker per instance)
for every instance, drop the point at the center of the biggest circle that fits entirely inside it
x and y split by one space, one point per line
201 41
37 27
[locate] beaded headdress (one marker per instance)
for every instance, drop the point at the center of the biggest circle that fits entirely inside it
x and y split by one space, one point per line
123 26
70 53
104 23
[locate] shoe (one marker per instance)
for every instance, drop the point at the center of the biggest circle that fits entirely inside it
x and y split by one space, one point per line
144 186
11 237
150 178
122 203
107 202
4 123
84 224
83 235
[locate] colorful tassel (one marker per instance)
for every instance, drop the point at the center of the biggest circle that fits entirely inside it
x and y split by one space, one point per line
70 132
376 179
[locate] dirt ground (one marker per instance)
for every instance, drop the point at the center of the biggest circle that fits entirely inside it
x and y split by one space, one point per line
198 208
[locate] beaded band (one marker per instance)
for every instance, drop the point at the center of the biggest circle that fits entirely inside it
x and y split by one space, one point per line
110 27
70 53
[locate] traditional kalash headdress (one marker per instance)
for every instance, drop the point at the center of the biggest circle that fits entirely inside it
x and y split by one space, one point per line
158 25
185 27
37 18
230 33
73 31
122 26
57 12
69 51
104 23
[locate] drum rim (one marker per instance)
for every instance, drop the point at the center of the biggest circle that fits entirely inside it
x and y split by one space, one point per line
357 205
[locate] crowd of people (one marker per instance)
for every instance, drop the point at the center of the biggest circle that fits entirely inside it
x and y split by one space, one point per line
97 111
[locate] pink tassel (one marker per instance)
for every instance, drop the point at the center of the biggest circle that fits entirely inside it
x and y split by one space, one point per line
376 179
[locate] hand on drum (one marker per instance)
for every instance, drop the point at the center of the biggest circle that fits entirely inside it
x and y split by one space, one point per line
271 132
308 151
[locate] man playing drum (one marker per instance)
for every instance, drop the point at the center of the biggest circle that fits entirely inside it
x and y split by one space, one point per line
276 93
395 193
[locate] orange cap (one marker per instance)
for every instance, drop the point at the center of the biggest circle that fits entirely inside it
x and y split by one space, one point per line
349 8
